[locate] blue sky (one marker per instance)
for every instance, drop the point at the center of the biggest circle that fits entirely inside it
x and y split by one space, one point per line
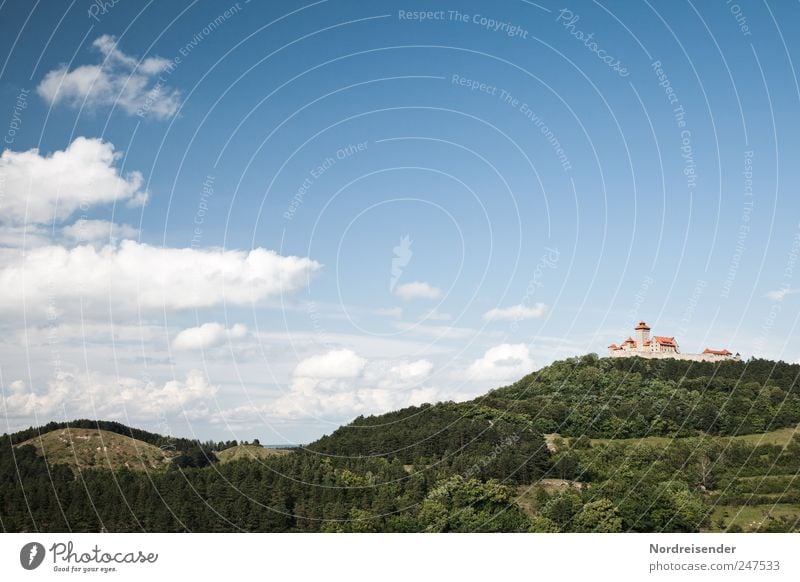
560 171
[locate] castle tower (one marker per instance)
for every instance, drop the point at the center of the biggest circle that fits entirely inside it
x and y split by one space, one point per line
642 335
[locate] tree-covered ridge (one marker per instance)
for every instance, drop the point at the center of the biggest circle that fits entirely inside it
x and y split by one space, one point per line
635 397
474 466
447 435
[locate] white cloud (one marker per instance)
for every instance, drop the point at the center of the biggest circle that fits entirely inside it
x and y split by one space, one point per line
417 290
503 362
132 276
435 331
341 384
781 294
102 396
396 312
98 231
120 80
40 189
434 315
397 375
24 236
516 312
334 364
206 336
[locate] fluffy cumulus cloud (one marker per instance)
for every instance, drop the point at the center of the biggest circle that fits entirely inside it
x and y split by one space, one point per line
207 336
119 80
417 290
516 312
132 276
340 384
98 231
335 364
102 396
40 189
503 362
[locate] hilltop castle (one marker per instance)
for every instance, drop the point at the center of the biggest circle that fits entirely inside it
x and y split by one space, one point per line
660 346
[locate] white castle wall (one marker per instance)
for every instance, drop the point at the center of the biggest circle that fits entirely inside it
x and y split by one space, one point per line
665 355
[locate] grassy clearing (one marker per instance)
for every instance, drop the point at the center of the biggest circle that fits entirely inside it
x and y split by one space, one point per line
526 494
780 437
82 448
248 452
750 517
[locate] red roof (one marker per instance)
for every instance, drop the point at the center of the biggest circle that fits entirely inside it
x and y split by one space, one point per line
642 325
665 341
722 352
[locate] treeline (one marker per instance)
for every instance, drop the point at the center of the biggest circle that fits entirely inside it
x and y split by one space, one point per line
165 442
300 491
462 438
635 397
475 466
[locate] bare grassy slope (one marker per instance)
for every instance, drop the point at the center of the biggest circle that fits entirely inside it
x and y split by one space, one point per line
82 448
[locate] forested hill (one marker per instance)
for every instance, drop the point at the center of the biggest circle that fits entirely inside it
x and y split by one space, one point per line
596 397
585 444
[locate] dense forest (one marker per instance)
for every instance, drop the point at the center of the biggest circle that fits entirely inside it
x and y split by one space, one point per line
586 444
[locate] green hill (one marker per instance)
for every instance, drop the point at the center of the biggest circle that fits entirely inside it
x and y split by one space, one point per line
585 444
82 448
248 452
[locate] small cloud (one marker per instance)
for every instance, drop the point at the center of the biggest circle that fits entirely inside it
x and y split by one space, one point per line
98 231
436 331
121 81
781 294
402 255
434 315
333 364
396 312
417 290
206 336
503 362
516 312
